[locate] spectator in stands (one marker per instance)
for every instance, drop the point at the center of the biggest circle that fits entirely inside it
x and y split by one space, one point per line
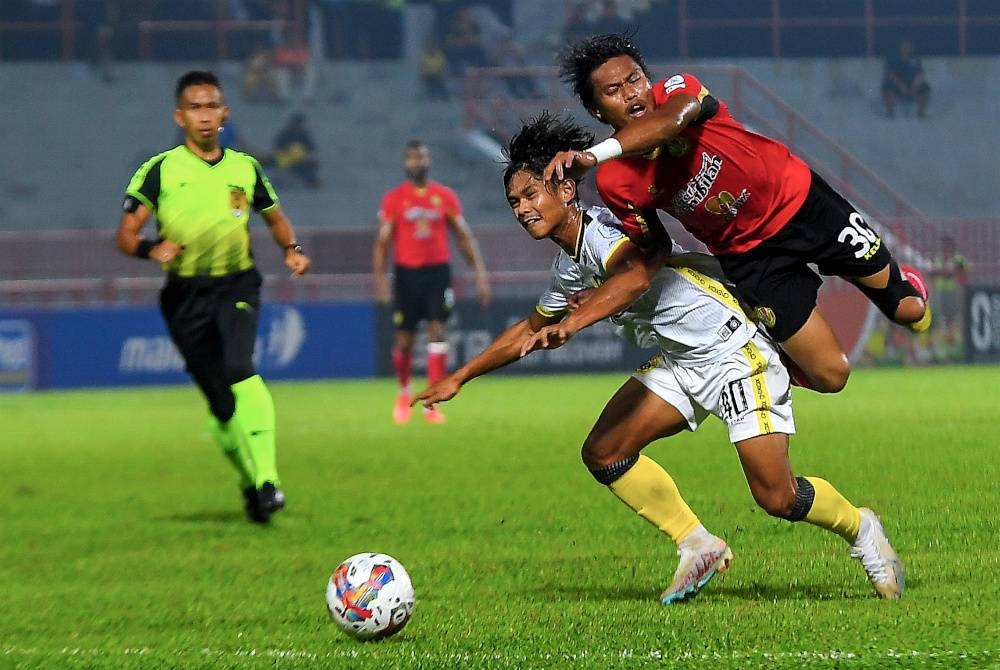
903 79
101 17
295 69
294 153
433 67
260 76
463 44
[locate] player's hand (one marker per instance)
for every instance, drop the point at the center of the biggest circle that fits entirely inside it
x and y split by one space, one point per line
165 251
382 295
569 164
548 337
577 299
297 262
444 390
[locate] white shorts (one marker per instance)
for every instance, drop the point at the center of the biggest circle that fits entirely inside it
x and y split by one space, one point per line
748 389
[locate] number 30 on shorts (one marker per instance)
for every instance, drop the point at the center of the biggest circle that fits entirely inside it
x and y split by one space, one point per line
858 235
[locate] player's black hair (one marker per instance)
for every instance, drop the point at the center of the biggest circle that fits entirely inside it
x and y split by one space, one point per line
414 144
538 142
196 78
579 61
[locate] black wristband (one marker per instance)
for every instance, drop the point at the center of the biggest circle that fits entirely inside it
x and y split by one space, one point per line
144 247
293 246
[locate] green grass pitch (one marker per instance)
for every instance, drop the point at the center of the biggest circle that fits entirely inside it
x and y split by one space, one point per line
124 543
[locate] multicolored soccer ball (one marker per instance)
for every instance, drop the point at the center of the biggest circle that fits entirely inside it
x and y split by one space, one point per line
370 596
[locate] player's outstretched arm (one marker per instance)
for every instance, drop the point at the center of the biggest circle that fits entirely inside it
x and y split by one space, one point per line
655 128
506 348
630 271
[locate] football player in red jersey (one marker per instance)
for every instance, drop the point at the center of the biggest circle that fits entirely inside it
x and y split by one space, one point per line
753 203
416 217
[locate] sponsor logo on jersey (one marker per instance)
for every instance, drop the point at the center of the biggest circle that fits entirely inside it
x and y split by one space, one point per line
727 205
696 190
674 83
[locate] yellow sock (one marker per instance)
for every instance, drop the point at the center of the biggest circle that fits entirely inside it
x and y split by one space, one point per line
833 511
651 492
923 324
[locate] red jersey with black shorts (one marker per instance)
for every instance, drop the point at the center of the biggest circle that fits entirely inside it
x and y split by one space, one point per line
755 205
419 218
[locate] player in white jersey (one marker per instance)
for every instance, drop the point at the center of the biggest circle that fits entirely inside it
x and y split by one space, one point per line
712 360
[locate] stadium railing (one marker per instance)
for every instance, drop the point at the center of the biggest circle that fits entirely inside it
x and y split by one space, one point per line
76 268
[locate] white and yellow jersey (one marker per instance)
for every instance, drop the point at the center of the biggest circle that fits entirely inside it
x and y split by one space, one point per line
688 313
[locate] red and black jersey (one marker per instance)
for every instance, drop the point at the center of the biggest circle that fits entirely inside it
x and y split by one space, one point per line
730 188
419 218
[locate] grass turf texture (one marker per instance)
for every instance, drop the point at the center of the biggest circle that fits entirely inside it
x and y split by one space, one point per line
125 546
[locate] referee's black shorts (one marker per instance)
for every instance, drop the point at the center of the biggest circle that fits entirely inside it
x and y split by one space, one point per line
774 277
213 322
422 293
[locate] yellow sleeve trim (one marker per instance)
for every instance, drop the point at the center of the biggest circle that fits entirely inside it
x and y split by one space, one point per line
141 198
703 93
611 252
549 314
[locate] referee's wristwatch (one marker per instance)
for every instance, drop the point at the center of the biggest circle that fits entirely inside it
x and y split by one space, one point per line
293 246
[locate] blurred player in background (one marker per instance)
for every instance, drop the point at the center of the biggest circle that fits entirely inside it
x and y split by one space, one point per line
754 204
201 195
416 217
713 360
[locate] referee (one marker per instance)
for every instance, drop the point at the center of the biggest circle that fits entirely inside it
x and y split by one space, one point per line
201 195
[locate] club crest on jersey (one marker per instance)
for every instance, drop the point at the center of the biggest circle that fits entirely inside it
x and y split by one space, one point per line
238 203
651 364
726 205
766 316
678 147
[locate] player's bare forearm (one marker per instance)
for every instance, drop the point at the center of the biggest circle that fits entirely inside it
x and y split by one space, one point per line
659 125
505 349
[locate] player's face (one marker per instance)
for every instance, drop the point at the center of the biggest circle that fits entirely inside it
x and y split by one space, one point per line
542 208
417 163
201 112
622 91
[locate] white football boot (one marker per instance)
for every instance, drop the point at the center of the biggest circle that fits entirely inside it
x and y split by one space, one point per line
696 569
872 548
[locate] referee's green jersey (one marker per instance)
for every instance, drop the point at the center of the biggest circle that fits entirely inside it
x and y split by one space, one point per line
204 207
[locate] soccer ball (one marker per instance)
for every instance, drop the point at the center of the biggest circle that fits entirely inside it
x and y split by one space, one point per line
370 596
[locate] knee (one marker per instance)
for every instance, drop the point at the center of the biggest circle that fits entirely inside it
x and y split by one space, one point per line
911 309
594 453
832 376
777 501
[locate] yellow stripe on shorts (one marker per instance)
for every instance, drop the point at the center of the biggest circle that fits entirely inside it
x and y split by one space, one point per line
710 286
758 386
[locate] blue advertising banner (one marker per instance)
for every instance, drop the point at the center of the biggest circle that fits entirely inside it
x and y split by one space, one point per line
471 328
982 324
124 346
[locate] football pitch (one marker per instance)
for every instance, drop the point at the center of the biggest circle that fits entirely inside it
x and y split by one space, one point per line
124 543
